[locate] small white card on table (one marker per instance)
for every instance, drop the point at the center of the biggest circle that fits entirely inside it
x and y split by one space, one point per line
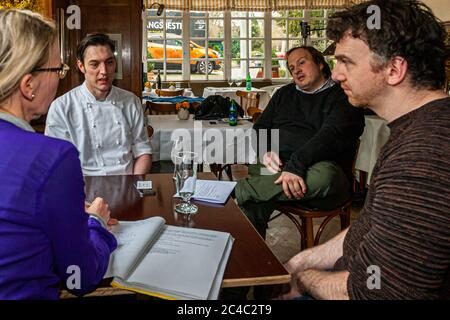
144 185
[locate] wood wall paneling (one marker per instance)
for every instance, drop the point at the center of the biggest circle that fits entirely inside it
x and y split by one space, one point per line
46 7
113 17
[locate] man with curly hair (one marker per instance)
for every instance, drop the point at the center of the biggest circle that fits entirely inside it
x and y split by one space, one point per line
399 247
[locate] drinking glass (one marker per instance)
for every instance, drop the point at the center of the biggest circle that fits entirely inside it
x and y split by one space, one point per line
153 84
175 154
238 82
178 85
186 178
230 82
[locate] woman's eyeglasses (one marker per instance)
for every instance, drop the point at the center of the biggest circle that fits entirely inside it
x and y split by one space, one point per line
62 71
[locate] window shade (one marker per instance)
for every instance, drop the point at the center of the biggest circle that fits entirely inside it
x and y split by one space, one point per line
253 5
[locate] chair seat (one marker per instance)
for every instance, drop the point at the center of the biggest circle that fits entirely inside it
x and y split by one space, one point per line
303 209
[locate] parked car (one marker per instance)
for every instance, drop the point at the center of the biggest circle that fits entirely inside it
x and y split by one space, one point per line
174 49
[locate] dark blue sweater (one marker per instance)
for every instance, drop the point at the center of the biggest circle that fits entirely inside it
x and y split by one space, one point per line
313 127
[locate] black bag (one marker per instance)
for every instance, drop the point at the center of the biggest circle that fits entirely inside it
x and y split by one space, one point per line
215 107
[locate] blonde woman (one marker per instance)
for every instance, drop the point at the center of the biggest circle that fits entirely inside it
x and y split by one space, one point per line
46 237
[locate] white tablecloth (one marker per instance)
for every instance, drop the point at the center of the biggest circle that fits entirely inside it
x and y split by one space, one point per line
234 144
230 92
202 135
375 135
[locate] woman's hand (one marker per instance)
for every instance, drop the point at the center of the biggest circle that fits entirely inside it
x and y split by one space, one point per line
100 208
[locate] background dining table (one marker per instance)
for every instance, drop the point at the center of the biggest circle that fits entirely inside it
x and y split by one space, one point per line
376 134
231 93
200 133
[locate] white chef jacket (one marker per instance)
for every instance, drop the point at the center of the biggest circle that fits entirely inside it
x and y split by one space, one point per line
108 134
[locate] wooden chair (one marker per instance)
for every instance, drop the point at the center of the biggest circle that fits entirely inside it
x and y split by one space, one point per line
248 99
255 113
100 292
160 108
169 93
150 131
302 217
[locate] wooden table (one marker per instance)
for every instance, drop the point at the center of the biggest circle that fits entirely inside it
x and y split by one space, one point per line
251 261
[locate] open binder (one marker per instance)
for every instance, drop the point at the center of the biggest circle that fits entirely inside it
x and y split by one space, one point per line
169 262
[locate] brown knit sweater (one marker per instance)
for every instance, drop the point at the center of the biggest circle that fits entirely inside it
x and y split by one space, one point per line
404 227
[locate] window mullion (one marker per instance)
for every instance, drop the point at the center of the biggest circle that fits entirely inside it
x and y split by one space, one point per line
268 45
164 32
248 31
227 42
308 20
186 70
206 45
144 40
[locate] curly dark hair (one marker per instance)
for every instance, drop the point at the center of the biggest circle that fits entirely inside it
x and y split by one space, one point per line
317 56
98 39
408 29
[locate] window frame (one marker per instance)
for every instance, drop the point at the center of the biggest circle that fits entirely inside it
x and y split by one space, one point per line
268 19
206 39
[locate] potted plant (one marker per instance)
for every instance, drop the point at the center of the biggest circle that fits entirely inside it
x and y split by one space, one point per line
183 110
172 86
147 86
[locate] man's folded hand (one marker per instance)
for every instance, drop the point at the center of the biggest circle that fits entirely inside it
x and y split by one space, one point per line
272 162
293 186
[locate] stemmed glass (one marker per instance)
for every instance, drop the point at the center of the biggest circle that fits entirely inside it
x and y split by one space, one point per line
175 154
186 179
153 83
230 82
238 82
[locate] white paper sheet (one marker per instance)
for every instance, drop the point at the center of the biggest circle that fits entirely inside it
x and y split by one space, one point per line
185 263
212 190
132 238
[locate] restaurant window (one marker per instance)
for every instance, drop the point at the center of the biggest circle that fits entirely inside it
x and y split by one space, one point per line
206 41
286 34
247 45
165 44
202 46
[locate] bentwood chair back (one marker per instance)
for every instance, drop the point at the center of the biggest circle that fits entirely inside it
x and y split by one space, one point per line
248 99
169 93
160 108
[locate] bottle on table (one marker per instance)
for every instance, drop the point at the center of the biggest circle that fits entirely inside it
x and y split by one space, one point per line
248 82
158 80
232 117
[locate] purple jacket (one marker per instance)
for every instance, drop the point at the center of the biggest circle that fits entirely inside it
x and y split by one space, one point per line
44 229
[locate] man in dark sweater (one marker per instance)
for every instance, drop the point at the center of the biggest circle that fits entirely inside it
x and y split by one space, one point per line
399 247
318 130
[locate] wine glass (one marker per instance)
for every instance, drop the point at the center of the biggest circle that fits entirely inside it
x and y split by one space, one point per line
175 154
238 82
153 83
186 179
230 82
